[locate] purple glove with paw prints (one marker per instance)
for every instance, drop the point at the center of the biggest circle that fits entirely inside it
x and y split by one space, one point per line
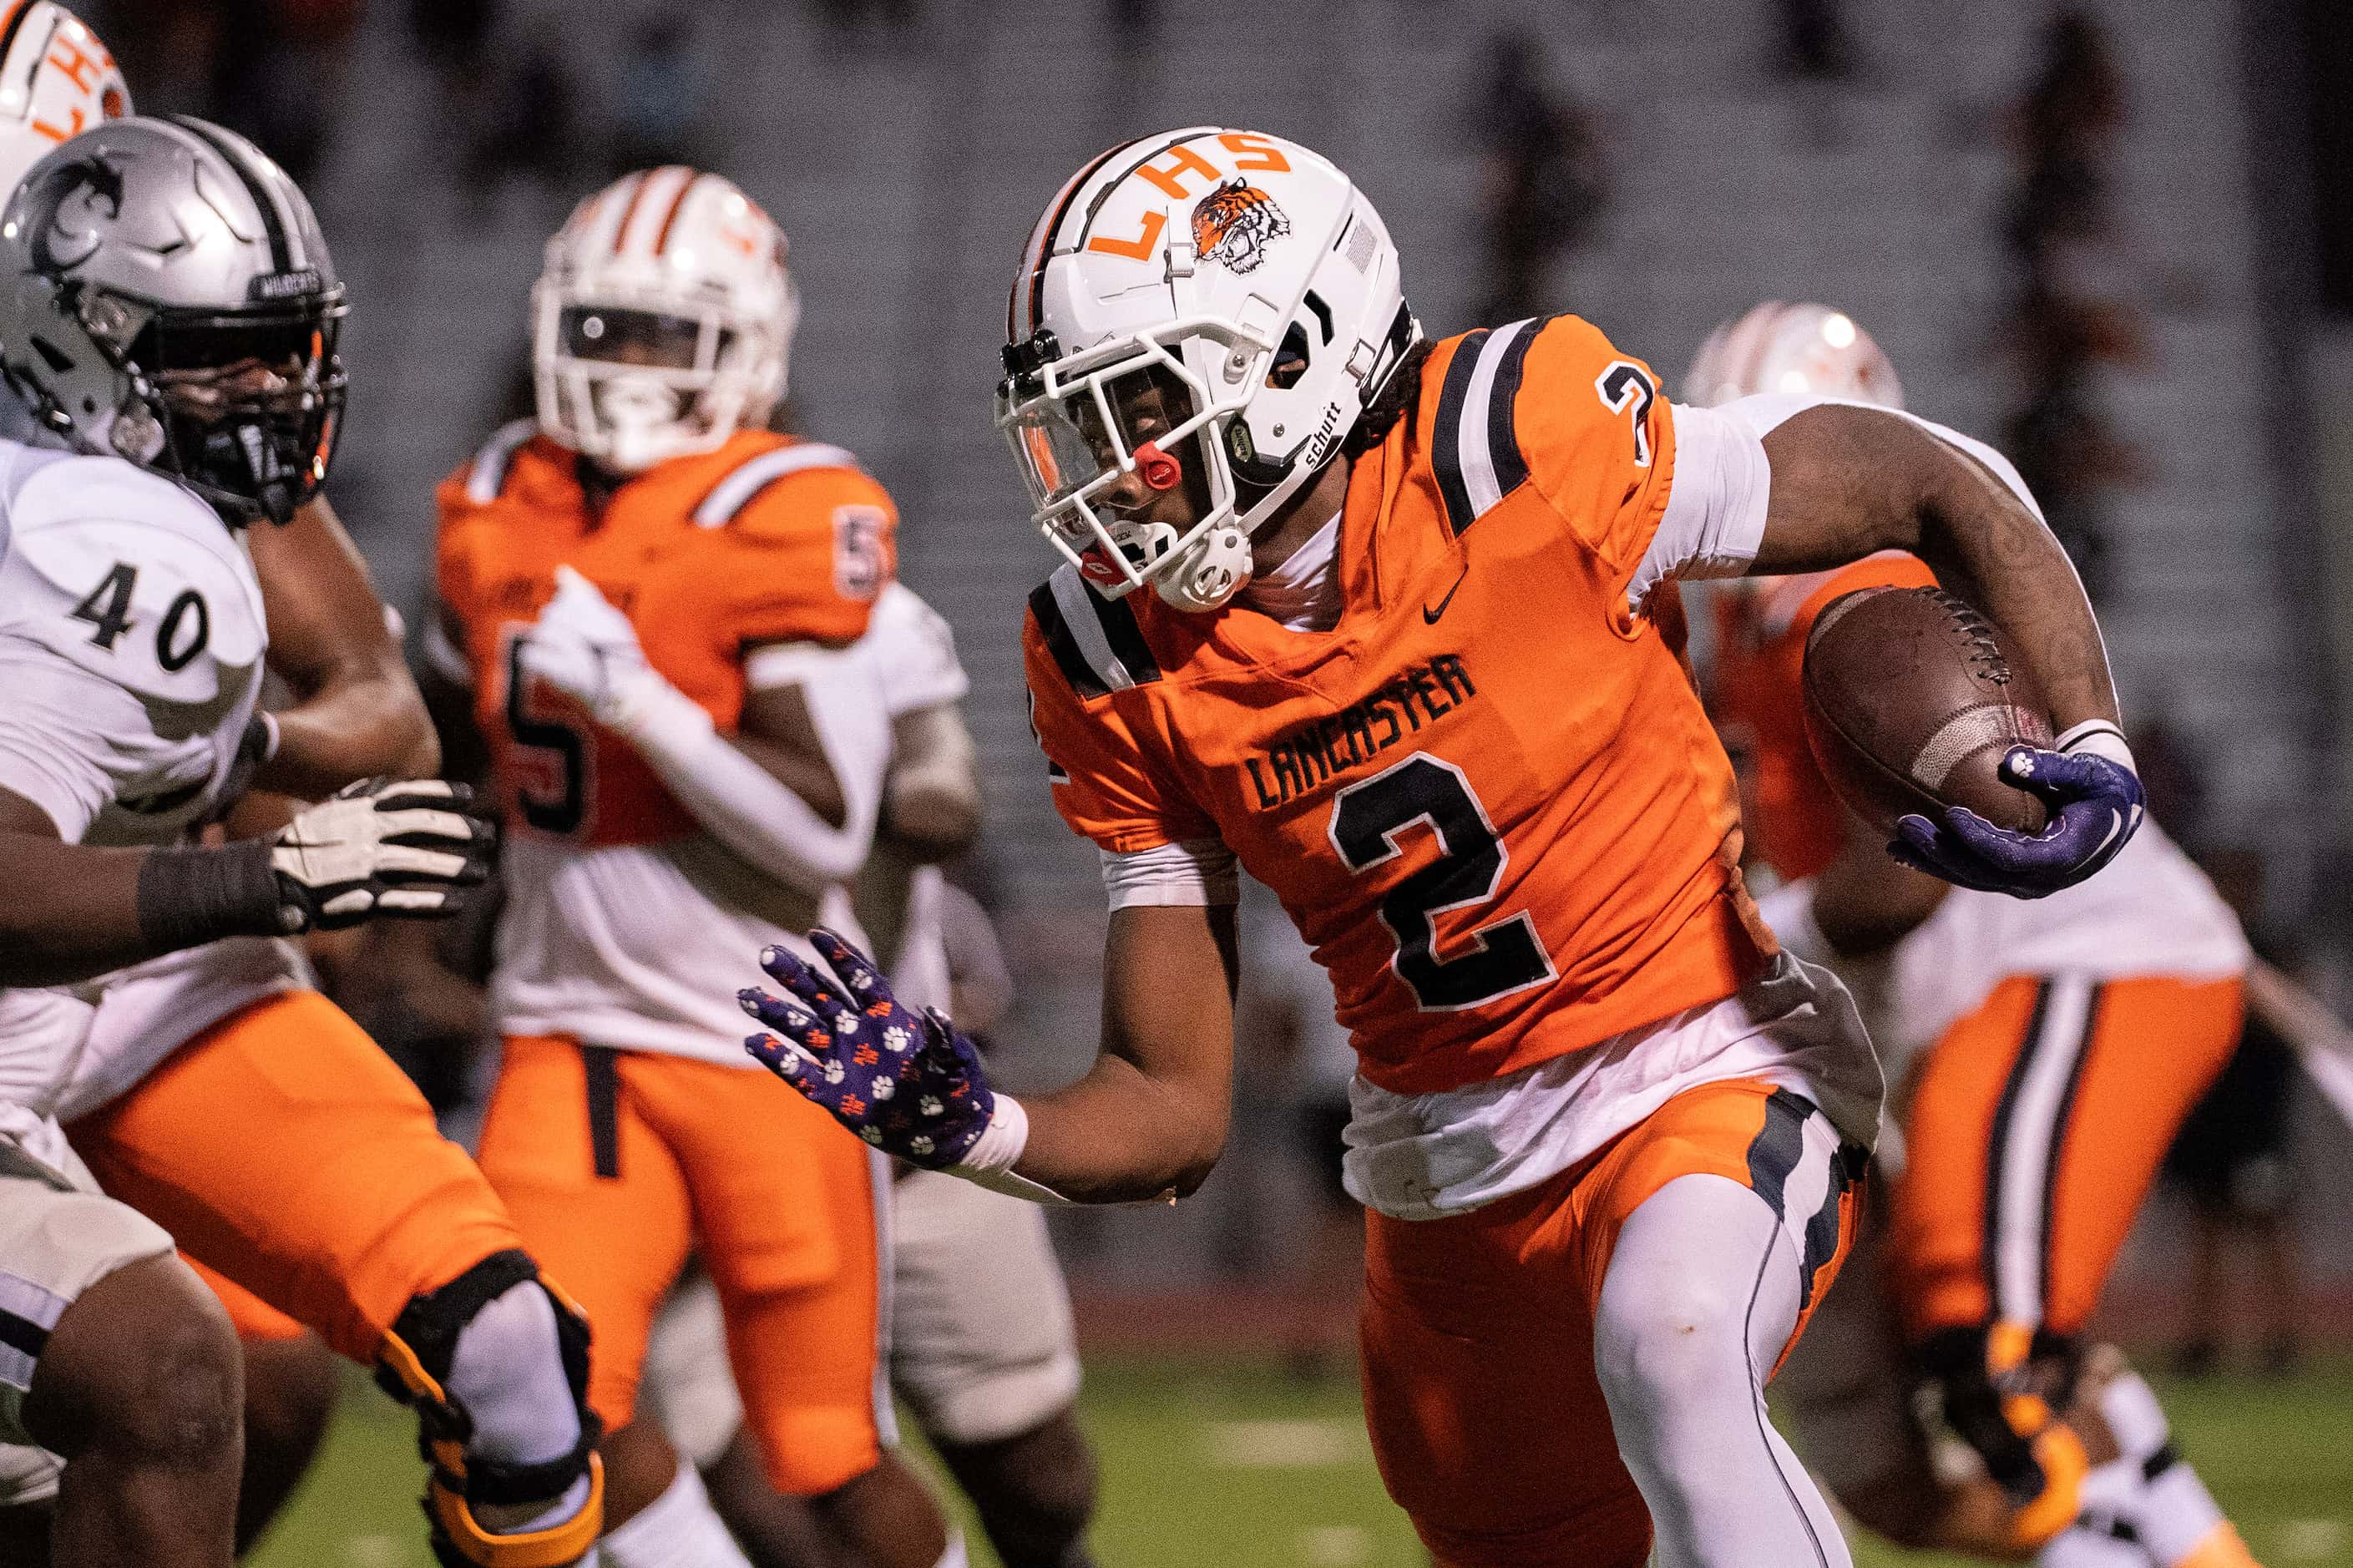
2095 803
907 1083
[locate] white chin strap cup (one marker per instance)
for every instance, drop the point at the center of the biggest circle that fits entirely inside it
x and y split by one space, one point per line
1209 572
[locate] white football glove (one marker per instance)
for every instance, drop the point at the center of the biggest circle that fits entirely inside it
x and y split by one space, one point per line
585 648
380 847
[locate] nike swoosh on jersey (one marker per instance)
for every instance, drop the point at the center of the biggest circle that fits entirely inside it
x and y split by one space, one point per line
1429 615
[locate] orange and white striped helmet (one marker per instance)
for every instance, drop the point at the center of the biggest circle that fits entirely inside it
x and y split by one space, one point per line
662 321
57 80
1252 284
1808 348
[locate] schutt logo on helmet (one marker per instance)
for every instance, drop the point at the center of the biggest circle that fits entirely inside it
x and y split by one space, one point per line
1233 224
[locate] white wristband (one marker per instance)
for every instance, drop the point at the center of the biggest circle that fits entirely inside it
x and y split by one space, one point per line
990 1162
2101 739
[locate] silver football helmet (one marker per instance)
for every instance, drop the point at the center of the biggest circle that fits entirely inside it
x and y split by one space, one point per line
167 297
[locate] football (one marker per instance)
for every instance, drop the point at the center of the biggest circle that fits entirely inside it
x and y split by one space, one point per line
1912 699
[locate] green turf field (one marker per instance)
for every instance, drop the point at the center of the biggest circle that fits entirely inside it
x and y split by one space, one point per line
1220 1467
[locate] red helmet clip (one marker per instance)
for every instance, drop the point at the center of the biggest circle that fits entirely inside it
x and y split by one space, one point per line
1160 471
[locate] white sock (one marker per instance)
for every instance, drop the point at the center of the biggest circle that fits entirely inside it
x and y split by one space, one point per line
2147 1499
1700 1295
2087 1546
677 1530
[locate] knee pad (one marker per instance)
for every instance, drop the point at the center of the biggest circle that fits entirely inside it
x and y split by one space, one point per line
414 1365
2004 1386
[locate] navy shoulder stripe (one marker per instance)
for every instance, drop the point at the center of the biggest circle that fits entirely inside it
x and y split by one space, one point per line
1505 453
1076 671
1476 445
1446 431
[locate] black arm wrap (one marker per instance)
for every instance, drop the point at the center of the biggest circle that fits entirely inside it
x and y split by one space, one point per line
190 896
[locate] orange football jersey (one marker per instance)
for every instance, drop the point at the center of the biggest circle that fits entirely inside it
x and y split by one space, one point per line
767 540
1795 825
1488 797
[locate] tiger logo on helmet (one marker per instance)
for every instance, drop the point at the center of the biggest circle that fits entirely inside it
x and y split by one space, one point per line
1233 224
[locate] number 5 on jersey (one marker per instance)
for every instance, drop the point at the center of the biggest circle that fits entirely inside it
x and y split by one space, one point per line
1368 821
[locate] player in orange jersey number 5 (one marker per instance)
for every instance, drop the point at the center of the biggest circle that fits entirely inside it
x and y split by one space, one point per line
1406 655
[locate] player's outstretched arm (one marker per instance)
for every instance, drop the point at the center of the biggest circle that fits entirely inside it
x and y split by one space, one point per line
1146 1122
357 713
1847 481
377 848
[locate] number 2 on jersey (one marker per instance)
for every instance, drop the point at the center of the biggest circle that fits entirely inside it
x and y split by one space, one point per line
1367 821
563 809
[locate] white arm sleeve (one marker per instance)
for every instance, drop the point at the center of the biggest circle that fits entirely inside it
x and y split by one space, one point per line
913 651
1766 412
1190 871
738 802
1715 519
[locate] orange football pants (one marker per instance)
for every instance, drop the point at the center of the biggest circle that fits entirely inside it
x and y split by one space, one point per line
1487 1419
616 1163
285 1151
2033 1134
252 1317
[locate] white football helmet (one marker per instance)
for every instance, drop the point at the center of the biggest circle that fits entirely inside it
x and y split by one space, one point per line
57 80
1253 286
1792 348
663 319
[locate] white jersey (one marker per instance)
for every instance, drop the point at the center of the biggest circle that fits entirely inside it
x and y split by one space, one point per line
2149 912
150 1010
130 650
643 947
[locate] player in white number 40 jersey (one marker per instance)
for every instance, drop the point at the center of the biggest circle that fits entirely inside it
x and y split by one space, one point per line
193 388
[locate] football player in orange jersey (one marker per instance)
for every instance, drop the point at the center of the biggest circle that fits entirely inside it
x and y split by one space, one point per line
2044 1053
652 598
1398 660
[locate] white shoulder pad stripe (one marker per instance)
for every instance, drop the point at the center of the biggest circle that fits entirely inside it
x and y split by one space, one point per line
491 464
1480 479
1072 596
734 492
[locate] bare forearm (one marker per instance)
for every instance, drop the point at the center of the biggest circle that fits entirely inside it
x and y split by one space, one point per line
1849 481
1150 1119
358 727
357 714
75 911
1117 1137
